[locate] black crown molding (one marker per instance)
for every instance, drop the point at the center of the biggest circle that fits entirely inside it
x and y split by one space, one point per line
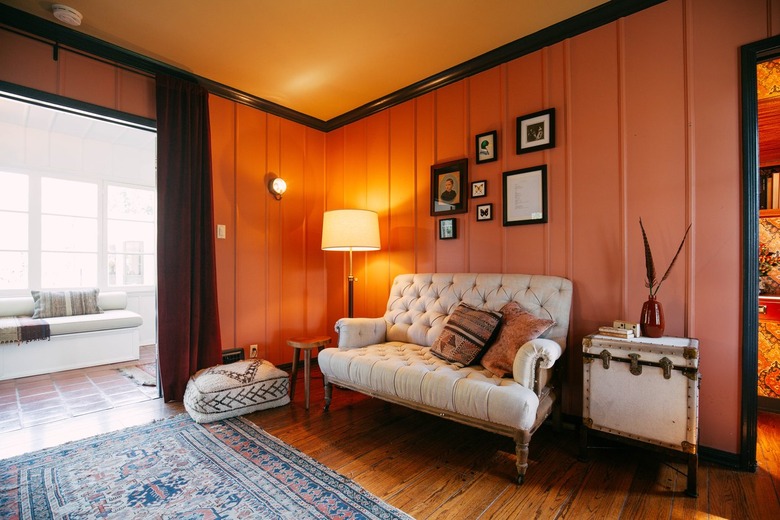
596 17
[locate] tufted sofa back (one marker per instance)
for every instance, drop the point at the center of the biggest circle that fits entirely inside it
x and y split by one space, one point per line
419 303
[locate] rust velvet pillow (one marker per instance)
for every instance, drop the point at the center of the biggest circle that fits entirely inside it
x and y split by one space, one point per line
466 334
517 327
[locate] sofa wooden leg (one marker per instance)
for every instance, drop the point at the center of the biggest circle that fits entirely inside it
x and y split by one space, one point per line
328 393
522 439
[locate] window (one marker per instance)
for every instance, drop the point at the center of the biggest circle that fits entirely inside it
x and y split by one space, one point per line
131 236
14 218
77 201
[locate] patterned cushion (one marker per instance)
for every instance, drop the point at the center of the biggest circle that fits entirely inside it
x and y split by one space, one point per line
465 334
517 328
235 389
51 304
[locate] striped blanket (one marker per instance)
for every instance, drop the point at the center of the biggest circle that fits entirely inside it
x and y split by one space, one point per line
21 329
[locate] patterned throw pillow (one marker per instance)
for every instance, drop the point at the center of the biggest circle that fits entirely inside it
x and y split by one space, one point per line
51 304
465 335
518 327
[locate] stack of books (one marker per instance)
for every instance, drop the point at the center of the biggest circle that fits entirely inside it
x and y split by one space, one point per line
616 332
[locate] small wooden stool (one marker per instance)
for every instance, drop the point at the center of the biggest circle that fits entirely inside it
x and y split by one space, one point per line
305 344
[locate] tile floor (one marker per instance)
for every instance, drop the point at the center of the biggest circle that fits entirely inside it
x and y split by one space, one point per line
48 398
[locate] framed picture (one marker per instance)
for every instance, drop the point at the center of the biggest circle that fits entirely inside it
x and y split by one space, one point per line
484 212
536 131
525 196
447 229
478 189
448 187
487 147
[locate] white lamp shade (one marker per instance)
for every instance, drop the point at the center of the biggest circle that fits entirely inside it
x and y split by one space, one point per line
350 229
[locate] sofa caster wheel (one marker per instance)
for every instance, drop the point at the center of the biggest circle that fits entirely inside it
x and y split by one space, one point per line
520 479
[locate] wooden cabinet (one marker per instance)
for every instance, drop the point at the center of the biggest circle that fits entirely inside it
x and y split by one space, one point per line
644 391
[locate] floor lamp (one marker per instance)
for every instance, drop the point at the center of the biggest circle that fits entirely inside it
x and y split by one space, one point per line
350 230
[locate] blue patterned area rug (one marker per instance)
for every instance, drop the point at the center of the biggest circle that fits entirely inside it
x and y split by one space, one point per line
176 468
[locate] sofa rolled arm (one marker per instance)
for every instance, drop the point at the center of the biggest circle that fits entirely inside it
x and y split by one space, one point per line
539 353
360 332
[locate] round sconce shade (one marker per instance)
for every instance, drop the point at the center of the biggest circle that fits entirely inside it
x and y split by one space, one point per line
277 187
350 229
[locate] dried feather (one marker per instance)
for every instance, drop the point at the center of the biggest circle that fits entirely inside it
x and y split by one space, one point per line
666 274
651 282
649 265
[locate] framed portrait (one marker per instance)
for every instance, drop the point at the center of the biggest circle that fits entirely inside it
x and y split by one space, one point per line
447 229
478 189
487 147
484 212
525 196
536 131
449 183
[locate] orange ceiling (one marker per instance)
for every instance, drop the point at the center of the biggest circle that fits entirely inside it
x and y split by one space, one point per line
322 58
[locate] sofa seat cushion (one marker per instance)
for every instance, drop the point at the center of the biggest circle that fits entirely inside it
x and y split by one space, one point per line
411 372
224 391
109 320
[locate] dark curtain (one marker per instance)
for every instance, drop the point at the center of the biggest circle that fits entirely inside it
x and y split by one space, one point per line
187 314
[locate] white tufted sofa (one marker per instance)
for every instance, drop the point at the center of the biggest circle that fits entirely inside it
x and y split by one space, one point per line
390 357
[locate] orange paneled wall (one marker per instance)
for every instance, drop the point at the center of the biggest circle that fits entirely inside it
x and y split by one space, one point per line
647 126
28 62
271 273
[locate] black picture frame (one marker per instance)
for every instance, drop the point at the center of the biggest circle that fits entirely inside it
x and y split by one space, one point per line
449 199
536 131
486 147
478 189
485 212
525 196
448 228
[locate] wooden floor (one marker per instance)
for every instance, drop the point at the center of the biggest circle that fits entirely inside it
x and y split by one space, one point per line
432 468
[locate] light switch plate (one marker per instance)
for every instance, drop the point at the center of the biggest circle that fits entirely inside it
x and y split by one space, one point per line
221 231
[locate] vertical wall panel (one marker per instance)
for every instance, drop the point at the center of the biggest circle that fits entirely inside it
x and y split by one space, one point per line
451 144
715 149
525 95
595 151
558 174
87 80
375 269
485 114
136 94
27 62
655 149
252 199
425 115
316 288
222 119
399 238
335 266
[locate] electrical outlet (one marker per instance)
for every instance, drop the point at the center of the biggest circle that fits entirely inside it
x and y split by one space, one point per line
252 351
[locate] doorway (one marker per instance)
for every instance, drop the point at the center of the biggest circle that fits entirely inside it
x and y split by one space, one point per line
751 55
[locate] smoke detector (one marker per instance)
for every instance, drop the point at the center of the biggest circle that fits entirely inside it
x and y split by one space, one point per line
66 14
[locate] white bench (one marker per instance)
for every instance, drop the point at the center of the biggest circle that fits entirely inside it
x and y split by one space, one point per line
76 341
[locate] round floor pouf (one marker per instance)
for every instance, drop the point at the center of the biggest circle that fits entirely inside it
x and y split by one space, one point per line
235 389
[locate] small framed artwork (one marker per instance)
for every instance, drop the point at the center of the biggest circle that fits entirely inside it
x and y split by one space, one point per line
525 196
478 189
536 131
484 212
447 229
448 187
487 147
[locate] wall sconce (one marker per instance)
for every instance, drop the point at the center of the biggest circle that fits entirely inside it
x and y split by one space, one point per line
277 186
